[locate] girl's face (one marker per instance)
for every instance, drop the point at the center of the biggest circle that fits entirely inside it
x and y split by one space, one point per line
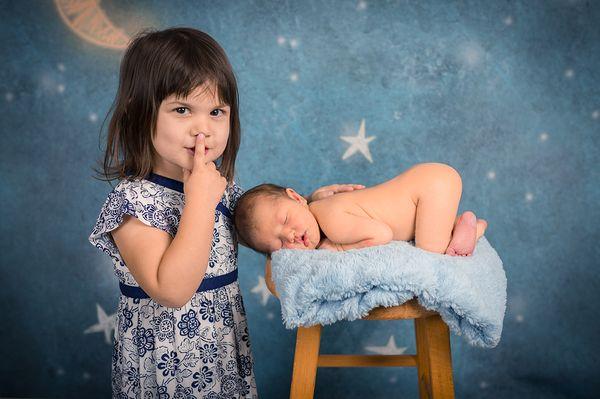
178 123
284 223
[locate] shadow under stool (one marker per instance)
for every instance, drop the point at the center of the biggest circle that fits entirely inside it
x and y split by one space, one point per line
433 358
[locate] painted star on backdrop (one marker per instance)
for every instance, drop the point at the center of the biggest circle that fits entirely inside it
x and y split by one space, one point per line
389 349
105 324
262 289
359 143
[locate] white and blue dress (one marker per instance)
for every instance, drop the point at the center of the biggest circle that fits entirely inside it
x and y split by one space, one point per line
200 350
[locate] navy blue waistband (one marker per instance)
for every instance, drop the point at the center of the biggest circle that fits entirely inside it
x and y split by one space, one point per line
207 284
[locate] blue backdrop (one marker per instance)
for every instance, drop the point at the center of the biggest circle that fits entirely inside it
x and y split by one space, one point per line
506 92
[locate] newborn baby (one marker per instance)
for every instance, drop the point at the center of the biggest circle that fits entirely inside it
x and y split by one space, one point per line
420 204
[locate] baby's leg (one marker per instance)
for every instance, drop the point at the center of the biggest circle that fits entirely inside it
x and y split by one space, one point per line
436 189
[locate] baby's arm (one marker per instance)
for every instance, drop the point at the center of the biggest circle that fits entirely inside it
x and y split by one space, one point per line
350 230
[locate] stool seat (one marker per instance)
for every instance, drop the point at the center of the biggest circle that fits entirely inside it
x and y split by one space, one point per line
432 360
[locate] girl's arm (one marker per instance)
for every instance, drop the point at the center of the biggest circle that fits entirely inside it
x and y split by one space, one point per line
170 271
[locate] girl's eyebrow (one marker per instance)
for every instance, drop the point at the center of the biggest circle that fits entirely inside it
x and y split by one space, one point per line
191 105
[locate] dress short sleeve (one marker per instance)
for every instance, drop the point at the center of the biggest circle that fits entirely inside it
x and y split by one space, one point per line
234 195
150 203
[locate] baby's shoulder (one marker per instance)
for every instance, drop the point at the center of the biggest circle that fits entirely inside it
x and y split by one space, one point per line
330 206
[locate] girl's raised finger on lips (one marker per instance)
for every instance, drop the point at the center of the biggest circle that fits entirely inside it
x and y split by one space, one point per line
199 150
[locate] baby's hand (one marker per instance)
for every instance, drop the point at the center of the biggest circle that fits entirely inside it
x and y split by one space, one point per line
327 191
327 244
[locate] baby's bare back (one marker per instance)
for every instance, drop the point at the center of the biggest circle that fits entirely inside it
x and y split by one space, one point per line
390 202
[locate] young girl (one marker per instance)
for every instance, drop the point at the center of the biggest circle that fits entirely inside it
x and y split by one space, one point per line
181 325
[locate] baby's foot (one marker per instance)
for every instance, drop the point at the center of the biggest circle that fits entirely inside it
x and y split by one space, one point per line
464 236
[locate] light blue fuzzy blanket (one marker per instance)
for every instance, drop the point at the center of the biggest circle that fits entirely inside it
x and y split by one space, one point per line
322 287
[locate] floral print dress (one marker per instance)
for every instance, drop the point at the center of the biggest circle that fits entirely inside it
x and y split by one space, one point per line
200 350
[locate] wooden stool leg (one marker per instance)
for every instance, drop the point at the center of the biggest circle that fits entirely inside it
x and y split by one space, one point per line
306 358
434 359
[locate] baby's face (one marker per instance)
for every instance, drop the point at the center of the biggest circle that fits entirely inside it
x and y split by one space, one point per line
284 223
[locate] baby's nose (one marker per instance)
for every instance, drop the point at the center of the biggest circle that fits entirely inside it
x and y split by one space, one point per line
291 236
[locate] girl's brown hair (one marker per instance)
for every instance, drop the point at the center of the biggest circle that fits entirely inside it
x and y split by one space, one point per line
158 64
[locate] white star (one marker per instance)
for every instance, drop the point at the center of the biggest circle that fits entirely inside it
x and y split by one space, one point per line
596 114
491 175
362 5
472 53
93 117
294 76
61 67
60 88
397 115
281 40
519 318
359 143
569 73
483 385
529 197
508 20
105 324
543 136
293 43
262 289
9 97
389 349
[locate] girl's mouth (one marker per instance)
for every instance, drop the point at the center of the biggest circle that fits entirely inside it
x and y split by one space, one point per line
192 150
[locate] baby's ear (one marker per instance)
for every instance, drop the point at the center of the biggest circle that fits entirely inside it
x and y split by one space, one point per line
293 194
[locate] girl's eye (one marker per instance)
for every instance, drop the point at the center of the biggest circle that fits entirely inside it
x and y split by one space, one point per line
180 109
215 112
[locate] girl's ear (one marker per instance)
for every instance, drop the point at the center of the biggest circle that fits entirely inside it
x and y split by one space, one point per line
295 196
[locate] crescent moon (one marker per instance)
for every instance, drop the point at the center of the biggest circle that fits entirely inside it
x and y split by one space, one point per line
87 20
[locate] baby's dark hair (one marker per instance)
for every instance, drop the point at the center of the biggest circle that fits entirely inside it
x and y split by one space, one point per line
243 214
158 64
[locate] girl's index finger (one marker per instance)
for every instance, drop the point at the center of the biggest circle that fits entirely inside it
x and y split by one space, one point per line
199 149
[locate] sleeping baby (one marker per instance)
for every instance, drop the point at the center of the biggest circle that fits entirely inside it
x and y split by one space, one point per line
420 204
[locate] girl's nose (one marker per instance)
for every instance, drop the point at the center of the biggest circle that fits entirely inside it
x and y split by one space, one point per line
204 132
201 126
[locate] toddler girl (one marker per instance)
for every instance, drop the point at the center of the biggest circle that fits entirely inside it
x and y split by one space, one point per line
167 225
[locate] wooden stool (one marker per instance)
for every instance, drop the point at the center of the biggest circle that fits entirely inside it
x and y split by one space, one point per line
433 358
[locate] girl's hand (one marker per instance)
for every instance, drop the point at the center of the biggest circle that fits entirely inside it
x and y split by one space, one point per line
327 191
327 244
204 183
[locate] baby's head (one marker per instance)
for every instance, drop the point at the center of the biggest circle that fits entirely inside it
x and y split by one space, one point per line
270 217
